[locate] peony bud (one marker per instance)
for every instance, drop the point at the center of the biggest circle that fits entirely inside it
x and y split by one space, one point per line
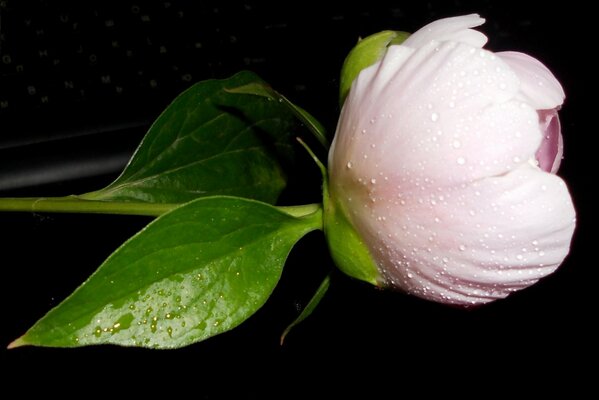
443 168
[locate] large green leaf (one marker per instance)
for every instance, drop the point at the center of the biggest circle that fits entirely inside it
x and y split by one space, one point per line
209 142
194 272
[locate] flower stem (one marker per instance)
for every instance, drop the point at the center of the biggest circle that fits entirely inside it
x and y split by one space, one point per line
74 204
300 211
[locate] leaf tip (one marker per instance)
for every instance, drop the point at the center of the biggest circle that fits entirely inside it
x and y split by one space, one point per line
284 335
17 343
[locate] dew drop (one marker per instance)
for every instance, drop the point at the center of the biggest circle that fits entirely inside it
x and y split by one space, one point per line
434 117
349 165
373 181
461 161
456 144
363 130
462 247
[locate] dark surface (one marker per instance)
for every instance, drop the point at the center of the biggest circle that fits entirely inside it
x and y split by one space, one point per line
537 337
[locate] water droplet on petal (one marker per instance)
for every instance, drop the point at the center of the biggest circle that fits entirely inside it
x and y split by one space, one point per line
349 165
434 117
461 161
456 144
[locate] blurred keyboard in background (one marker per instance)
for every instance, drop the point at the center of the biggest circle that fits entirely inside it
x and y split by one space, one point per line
81 81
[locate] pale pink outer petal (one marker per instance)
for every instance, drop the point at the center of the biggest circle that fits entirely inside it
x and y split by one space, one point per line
421 123
475 243
539 87
454 29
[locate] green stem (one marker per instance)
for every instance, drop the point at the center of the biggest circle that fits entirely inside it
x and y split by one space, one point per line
301 211
74 204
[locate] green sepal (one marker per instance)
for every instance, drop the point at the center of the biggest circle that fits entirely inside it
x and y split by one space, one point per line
368 51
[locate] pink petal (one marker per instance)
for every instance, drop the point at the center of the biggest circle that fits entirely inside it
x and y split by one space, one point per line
539 87
447 115
549 155
474 243
449 29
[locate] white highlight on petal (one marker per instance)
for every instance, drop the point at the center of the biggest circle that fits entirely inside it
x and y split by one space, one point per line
449 29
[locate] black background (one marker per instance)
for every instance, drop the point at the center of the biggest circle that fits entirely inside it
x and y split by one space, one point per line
359 336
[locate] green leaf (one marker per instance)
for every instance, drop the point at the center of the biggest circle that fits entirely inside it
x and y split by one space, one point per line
208 142
310 307
263 90
193 273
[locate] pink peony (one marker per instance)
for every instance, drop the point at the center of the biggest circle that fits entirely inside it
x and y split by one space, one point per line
444 161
